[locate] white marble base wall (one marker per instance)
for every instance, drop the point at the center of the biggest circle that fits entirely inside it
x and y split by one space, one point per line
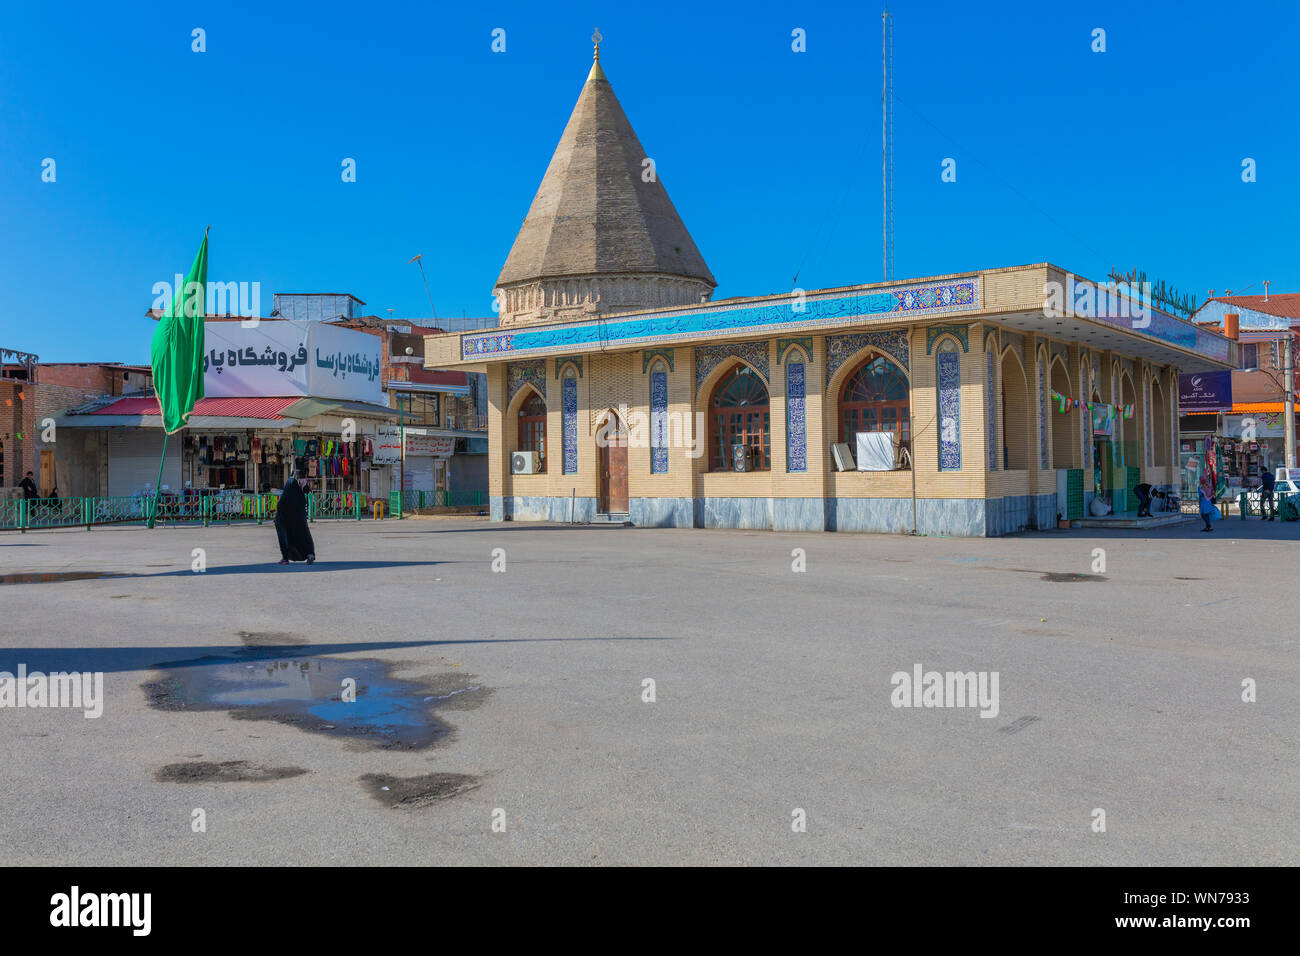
956 517
753 513
879 515
798 514
662 512
1020 513
538 508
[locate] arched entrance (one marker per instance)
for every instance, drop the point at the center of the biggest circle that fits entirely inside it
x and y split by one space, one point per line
611 440
1065 441
1015 414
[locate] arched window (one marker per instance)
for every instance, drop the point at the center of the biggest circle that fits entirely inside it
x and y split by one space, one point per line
532 428
876 398
740 414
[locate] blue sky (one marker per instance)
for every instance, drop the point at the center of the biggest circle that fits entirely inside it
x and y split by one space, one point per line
1128 158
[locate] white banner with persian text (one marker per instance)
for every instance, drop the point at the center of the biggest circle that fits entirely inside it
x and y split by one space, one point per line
276 358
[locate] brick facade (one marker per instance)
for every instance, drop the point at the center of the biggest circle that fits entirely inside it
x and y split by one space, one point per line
26 406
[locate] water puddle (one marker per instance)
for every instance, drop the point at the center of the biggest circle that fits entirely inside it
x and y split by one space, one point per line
358 699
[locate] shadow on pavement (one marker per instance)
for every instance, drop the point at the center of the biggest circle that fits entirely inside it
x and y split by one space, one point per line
271 567
118 659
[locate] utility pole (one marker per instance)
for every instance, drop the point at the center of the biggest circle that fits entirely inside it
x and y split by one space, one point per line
887 143
401 477
1288 377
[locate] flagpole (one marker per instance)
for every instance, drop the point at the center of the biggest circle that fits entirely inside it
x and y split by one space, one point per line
153 512
157 485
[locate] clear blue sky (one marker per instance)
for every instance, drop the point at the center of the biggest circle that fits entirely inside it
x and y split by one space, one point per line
1131 158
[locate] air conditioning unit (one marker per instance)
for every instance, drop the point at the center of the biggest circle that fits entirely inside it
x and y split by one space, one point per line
742 457
524 463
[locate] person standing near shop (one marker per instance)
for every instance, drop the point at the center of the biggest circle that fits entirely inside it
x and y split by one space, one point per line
1266 501
28 485
291 528
1144 495
1208 511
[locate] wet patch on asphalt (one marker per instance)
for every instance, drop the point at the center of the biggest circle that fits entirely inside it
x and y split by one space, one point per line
228 771
1058 577
1019 724
405 793
269 639
1070 577
54 577
356 699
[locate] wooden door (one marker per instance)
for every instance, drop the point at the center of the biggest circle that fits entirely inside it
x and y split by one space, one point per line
613 466
49 480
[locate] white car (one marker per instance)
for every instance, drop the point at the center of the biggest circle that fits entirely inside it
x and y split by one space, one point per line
1286 481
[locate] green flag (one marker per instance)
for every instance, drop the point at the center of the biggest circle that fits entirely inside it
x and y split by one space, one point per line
177 350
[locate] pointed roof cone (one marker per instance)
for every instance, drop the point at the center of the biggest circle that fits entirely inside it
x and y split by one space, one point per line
593 212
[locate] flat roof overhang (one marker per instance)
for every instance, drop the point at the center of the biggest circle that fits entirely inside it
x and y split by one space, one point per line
1102 335
155 421
1016 293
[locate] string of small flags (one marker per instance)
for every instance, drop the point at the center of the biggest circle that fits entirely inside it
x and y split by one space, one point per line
1066 404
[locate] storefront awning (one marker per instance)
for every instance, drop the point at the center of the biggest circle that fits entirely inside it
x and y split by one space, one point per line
309 407
259 408
1258 408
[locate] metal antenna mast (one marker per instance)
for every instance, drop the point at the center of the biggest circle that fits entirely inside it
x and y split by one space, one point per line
887 140
417 261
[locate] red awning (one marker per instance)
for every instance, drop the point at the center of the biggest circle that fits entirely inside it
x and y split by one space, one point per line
265 408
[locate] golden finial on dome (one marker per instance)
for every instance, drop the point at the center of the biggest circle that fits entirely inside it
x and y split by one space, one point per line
596 38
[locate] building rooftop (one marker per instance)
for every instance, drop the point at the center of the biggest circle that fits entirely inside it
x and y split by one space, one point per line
594 211
1284 304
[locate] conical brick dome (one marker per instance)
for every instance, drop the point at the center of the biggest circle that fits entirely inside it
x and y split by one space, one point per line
602 234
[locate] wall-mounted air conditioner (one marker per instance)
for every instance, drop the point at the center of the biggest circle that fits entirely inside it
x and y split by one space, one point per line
524 463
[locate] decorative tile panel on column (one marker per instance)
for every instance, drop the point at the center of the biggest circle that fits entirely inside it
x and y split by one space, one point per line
1146 416
1085 416
709 357
839 348
796 431
803 342
659 423
570 388
991 409
574 360
949 376
649 355
519 374
1042 414
961 332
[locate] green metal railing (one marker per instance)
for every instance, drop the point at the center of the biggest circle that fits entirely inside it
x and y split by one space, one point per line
1250 504
337 504
412 500
224 507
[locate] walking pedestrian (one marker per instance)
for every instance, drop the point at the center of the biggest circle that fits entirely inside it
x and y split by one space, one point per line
291 521
1266 501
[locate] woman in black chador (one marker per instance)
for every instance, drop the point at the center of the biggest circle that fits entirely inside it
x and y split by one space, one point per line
291 521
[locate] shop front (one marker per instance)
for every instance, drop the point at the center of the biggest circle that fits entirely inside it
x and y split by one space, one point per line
268 410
